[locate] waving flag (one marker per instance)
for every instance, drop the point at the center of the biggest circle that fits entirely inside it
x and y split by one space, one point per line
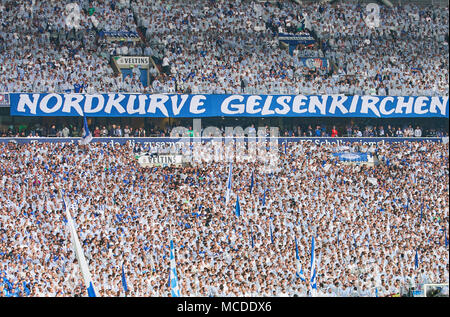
251 184
299 271
87 136
124 281
251 240
92 292
446 239
227 196
416 260
313 281
421 213
238 208
175 289
271 234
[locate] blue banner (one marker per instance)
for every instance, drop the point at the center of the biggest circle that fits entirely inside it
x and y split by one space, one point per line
312 62
352 157
119 35
197 106
150 141
295 39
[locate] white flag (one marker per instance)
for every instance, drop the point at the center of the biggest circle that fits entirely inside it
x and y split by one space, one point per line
92 292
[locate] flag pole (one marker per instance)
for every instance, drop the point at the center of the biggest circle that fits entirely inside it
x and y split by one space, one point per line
78 251
124 283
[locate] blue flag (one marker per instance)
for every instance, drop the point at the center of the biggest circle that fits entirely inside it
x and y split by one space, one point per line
124 281
251 240
175 289
313 280
421 213
264 198
91 290
251 184
298 272
87 136
168 281
446 239
238 208
416 261
270 228
230 175
296 249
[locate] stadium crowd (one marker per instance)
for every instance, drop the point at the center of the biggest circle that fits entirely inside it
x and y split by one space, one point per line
305 130
214 46
378 228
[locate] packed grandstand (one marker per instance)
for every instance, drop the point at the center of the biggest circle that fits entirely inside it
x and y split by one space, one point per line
350 202
214 46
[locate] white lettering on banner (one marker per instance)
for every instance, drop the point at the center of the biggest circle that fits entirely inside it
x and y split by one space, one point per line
225 107
315 103
142 100
436 103
402 104
175 109
369 102
157 101
418 105
338 103
181 142
113 102
298 102
253 101
140 109
24 100
282 101
196 102
73 101
88 103
354 104
383 110
207 105
266 109
56 107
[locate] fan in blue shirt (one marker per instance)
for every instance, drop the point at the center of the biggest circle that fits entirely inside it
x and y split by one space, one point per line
318 132
78 88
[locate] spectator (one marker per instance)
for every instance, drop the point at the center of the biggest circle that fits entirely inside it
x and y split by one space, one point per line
65 132
97 132
104 132
417 132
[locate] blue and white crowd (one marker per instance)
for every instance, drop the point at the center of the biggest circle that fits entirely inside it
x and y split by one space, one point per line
379 229
305 130
367 232
214 46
